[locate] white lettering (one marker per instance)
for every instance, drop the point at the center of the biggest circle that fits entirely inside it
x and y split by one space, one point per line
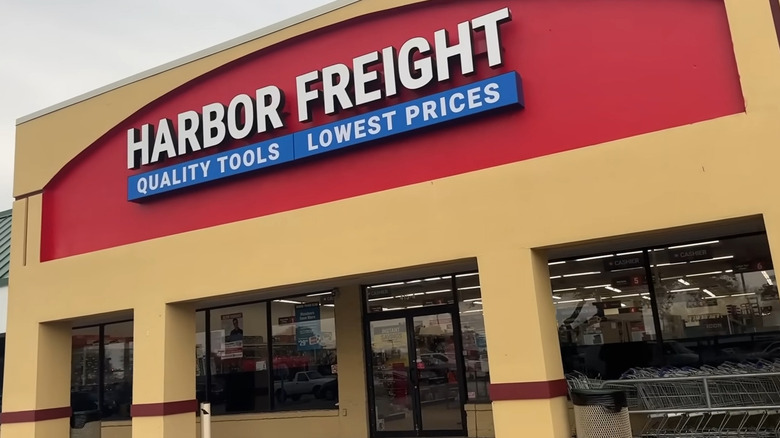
165 180
373 125
343 132
336 90
221 161
241 105
270 103
363 78
138 148
213 125
164 142
463 50
429 110
326 140
305 95
204 166
456 108
274 151
412 111
408 67
312 146
142 186
388 116
234 161
474 101
491 93
360 128
489 22
189 127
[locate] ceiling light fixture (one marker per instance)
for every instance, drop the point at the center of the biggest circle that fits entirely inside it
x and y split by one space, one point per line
596 286
714 258
585 259
579 274
704 273
766 276
694 244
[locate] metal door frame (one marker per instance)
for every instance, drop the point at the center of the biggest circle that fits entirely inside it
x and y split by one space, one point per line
408 316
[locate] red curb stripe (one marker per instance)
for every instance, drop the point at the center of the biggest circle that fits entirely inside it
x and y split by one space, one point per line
528 390
166 408
35 415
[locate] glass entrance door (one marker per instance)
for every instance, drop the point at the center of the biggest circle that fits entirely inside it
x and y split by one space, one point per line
414 369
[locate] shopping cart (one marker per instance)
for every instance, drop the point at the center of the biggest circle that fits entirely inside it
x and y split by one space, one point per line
731 400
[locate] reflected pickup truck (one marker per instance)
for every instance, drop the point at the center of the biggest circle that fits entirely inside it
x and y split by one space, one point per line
304 382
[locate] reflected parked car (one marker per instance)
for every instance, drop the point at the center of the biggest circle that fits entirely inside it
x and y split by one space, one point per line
329 391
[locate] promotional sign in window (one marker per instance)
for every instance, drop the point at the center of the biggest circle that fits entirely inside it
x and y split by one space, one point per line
234 335
308 329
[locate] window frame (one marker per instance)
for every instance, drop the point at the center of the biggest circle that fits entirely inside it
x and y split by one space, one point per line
102 361
269 346
646 251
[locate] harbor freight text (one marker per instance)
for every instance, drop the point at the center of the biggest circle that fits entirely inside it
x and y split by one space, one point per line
336 87
501 91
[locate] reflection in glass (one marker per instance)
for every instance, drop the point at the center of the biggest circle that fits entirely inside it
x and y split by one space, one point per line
239 359
716 288
390 371
118 370
200 356
472 326
305 368
717 301
436 372
604 314
410 294
85 369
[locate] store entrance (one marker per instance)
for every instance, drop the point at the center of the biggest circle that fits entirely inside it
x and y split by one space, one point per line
414 388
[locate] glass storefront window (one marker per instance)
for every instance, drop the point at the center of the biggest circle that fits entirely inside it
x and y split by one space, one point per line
714 301
717 287
118 370
239 359
472 326
305 368
102 370
200 356
85 370
411 294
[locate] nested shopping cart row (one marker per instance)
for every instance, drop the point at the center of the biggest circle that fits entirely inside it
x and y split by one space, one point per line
732 400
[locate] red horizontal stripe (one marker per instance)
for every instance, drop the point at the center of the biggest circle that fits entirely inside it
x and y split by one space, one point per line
528 390
165 408
35 415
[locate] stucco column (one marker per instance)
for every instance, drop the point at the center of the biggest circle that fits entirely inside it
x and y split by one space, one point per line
37 361
164 402
527 384
353 401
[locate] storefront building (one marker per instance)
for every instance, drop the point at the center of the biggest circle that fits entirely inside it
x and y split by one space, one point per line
399 218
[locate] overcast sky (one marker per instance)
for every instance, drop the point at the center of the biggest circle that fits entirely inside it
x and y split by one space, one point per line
53 50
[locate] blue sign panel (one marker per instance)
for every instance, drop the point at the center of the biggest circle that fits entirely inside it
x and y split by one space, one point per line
211 168
308 331
489 94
